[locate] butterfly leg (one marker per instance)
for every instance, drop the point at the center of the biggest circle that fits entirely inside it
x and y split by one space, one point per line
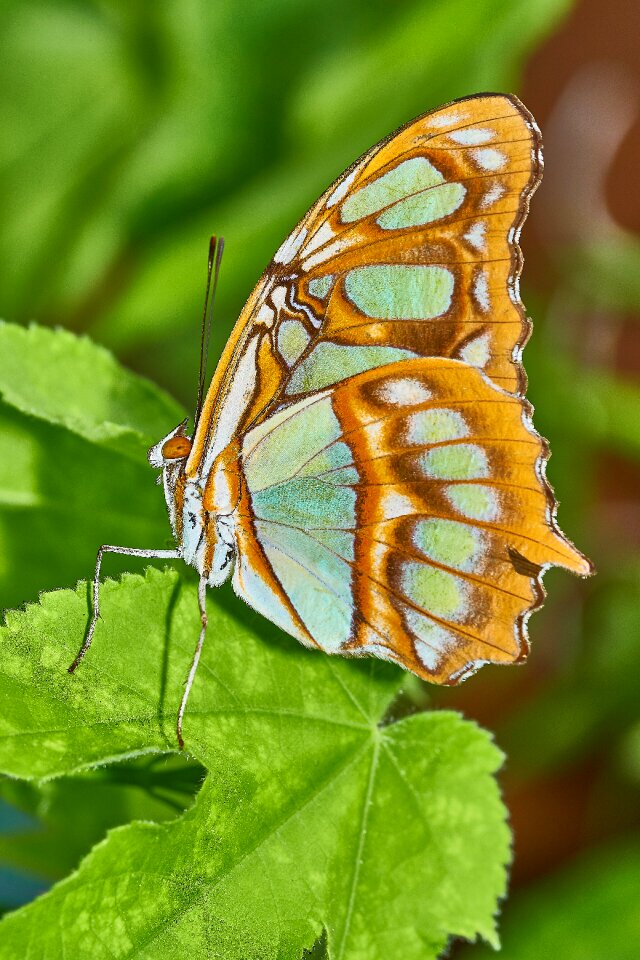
130 552
202 604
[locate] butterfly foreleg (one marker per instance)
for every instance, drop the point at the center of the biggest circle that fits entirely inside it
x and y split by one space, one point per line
202 604
130 552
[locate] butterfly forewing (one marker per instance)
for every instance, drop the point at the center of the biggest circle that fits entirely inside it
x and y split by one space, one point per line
412 252
389 488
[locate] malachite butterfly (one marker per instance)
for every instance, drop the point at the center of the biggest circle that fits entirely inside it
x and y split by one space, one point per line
364 466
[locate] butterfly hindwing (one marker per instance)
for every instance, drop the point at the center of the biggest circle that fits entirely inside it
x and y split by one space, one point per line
402 513
297 523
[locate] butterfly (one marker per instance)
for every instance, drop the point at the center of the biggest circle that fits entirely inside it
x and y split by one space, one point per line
364 466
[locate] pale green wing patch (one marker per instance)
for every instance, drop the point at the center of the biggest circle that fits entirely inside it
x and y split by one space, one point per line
403 180
319 287
306 502
329 363
438 591
291 500
275 450
315 578
436 425
292 340
449 542
425 207
475 501
397 292
459 461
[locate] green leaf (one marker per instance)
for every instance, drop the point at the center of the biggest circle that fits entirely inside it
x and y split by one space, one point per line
74 431
60 498
315 813
71 382
587 912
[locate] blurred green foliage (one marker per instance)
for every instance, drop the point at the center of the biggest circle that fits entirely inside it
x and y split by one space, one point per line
41 843
585 912
133 131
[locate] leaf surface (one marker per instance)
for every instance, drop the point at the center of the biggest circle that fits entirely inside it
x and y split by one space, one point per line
75 427
316 813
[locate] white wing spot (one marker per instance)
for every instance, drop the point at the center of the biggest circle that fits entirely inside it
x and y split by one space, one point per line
470 137
428 656
265 315
319 238
477 352
394 505
332 250
481 291
342 189
489 159
279 297
379 650
287 251
403 392
432 642
447 119
495 191
475 235
234 403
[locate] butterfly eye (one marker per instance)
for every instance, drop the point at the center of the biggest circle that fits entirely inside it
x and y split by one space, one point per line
177 448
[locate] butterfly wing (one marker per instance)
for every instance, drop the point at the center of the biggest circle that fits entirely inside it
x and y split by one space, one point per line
392 498
401 513
411 252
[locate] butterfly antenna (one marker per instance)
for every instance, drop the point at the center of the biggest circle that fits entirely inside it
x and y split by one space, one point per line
216 249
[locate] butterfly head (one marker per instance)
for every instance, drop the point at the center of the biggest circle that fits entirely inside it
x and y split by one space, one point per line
172 450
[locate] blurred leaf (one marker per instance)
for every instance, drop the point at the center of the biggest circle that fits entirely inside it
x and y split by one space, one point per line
607 274
629 754
290 831
596 696
150 788
74 432
587 912
584 406
113 185
17 888
72 382
359 98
